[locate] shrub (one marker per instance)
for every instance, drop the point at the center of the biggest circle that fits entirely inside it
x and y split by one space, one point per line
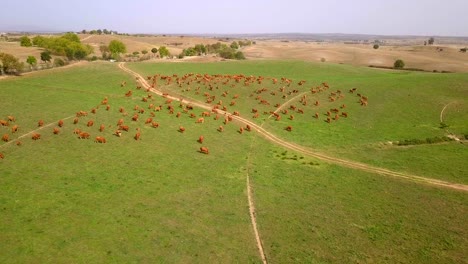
58 62
239 56
376 46
323 59
9 64
25 41
399 64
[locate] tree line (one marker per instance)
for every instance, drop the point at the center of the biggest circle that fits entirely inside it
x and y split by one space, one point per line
223 50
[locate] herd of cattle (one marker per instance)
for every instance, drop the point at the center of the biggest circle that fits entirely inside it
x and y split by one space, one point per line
268 96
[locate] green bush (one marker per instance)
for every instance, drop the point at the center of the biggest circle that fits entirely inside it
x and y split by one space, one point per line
25 41
399 64
58 62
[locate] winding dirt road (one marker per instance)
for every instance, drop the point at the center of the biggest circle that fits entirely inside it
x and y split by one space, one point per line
306 151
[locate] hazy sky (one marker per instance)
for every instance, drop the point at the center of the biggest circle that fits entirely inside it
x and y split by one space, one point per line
386 17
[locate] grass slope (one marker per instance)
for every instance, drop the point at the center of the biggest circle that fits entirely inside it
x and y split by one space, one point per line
158 199
402 105
69 200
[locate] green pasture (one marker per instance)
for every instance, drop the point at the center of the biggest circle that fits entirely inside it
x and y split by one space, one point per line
402 106
70 200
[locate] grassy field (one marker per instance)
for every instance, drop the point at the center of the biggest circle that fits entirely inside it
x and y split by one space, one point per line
313 212
160 200
402 106
69 200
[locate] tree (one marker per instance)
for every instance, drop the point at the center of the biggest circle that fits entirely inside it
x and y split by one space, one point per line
135 53
164 52
154 51
234 45
25 41
144 52
376 46
45 56
83 31
200 49
239 55
72 37
425 43
9 64
99 31
105 31
463 50
399 64
31 60
38 41
116 47
430 41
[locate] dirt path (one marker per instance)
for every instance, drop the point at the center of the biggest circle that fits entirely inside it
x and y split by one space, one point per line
86 38
306 151
253 218
443 110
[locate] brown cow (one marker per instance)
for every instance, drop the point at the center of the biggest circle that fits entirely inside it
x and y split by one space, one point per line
204 150
124 128
316 115
289 128
220 128
76 131
149 120
343 106
56 130
105 101
36 136
60 123
129 93
100 140
241 130
101 128
2 156
81 113
344 114
40 123
135 117
121 110
138 134
291 117
4 123
118 133
83 135
155 124
248 128
336 117
200 120
181 129
178 114
14 129
278 118
11 118
18 143
200 139
328 120
90 123
120 122
75 121
93 111
5 137
107 107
